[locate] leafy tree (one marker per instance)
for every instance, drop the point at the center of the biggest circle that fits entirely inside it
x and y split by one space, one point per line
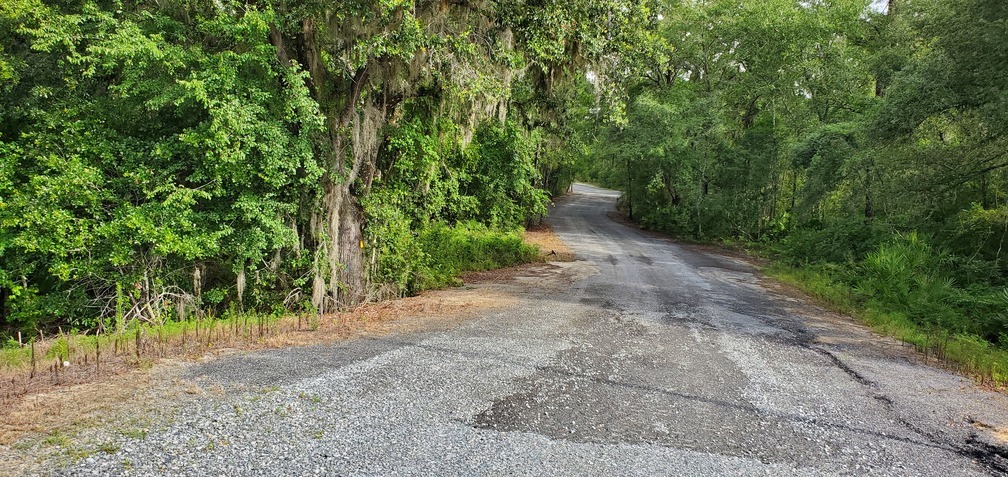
160 158
146 143
869 143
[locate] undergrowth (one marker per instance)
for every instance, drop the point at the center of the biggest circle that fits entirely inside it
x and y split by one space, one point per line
895 298
143 341
467 247
446 252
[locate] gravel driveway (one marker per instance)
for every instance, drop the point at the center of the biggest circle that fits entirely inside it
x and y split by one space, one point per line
644 357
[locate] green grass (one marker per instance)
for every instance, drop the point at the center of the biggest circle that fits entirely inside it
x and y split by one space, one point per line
468 247
67 345
57 438
109 447
196 334
14 356
967 353
135 433
441 254
819 283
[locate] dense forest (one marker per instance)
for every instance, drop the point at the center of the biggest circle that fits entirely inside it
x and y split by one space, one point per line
160 159
861 145
165 158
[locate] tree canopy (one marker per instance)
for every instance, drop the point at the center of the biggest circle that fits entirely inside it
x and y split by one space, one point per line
159 159
830 133
163 158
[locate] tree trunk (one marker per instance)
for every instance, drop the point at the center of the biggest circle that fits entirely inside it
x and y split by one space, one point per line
350 290
4 294
984 201
339 264
340 280
794 192
750 115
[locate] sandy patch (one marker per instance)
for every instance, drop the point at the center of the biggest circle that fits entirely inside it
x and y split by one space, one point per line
551 247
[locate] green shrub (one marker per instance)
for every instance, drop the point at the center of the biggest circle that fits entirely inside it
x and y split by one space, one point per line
468 246
908 275
840 242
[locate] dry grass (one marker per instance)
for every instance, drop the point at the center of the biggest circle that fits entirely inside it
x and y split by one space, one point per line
42 412
551 247
45 425
998 434
57 397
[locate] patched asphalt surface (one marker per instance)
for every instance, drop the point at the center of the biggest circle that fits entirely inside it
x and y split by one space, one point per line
658 359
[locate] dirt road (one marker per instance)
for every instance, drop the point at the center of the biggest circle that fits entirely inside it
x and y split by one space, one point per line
643 357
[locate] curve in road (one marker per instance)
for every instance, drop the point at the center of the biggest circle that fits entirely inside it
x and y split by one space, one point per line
645 357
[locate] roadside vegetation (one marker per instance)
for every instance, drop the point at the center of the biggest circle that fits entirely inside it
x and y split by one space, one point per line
861 147
177 177
165 162
168 165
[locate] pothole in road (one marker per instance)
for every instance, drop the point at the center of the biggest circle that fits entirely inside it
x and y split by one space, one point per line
595 394
993 457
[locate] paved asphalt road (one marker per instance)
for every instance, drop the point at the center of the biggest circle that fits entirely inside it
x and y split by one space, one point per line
654 359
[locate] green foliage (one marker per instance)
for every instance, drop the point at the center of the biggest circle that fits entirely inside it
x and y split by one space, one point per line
465 247
973 353
905 275
440 209
501 159
833 135
143 147
162 159
978 234
838 242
